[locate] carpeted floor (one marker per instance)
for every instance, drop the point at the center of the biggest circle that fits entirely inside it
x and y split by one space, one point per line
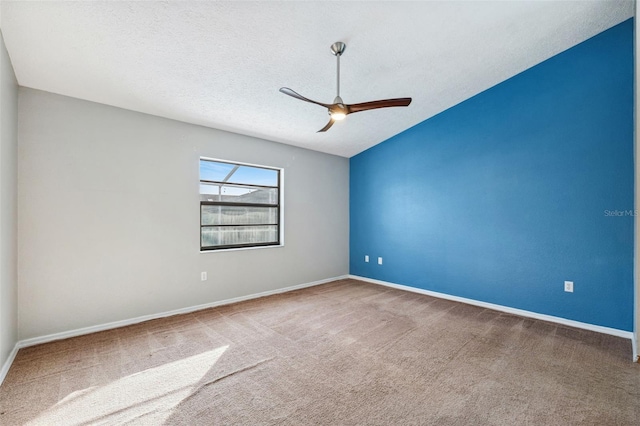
346 353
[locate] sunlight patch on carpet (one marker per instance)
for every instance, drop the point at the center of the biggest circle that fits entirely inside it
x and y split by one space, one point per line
147 396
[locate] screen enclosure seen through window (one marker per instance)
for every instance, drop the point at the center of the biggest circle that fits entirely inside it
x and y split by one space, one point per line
239 205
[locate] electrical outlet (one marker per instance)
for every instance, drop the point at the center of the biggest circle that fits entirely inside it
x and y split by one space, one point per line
379 261
203 276
366 258
568 286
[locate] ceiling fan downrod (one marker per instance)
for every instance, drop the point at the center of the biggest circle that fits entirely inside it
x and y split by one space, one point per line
337 49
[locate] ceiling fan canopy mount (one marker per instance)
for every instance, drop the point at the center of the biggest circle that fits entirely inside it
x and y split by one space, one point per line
338 48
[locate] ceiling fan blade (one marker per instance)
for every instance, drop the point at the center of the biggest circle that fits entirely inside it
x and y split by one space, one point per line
327 127
386 103
296 95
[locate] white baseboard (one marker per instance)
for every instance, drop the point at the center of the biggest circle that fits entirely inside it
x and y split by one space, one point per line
8 362
520 312
116 324
634 345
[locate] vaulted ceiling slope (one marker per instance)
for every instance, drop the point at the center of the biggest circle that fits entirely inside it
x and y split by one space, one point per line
220 64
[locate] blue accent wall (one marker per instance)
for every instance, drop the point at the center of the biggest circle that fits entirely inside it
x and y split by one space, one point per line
505 196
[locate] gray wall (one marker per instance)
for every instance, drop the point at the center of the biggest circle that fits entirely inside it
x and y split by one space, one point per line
109 216
8 203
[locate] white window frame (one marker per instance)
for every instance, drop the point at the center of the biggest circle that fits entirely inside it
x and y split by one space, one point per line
280 207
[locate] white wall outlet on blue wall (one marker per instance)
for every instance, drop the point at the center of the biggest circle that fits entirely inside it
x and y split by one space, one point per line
379 261
366 258
568 286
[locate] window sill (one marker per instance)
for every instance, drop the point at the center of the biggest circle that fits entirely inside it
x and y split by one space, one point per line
241 248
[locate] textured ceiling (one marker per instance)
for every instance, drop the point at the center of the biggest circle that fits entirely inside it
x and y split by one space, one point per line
220 64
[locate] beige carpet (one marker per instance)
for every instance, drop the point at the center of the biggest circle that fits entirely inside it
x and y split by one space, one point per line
341 353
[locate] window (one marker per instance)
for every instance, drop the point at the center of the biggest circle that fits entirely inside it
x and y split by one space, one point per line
239 205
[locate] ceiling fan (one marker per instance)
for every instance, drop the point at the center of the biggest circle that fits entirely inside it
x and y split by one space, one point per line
338 110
